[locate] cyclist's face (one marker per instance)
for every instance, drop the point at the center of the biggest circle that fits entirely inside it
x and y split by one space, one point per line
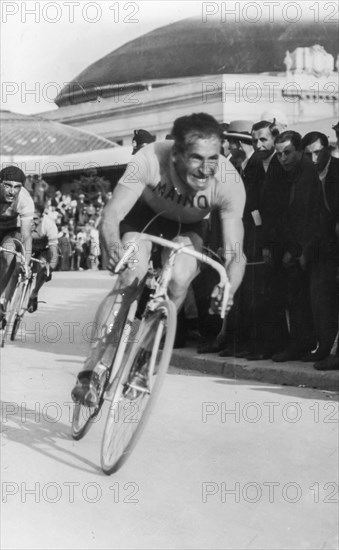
197 165
36 221
9 190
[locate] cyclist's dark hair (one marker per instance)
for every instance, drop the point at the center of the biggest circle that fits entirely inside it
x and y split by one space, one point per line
293 137
272 126
12 173
311 137
197 125
39 209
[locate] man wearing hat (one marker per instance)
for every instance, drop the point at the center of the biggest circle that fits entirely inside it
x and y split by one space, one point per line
16 214
140 139
239 140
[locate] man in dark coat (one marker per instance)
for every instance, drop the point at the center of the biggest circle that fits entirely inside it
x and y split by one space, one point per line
292 228
323 280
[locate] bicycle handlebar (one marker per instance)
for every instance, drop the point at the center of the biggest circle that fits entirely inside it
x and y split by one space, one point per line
224 283
15 252
23 259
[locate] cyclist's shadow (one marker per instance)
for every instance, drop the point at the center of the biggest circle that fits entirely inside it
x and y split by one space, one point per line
42 433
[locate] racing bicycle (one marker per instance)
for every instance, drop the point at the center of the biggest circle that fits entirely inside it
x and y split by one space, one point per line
132 343
18 304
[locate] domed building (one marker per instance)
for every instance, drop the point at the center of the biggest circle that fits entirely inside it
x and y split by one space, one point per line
231 70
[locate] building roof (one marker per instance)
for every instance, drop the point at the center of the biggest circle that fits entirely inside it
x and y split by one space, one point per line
51 165
23 135
194 47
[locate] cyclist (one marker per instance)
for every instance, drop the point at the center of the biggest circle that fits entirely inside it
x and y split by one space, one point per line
45 248
182 180
16 213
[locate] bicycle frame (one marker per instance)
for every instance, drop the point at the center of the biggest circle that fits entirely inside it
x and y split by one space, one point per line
160 293
137 372
25 281
167 269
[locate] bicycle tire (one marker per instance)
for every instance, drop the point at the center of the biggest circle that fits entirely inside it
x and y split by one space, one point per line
12 309
2 335
120 434
23 308
83 416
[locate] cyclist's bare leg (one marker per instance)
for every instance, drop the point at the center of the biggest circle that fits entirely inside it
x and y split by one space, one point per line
105 312
86 389
7 267
185 270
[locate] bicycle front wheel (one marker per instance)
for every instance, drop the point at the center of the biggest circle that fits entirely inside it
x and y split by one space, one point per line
83 418
21 310
13 308
128 414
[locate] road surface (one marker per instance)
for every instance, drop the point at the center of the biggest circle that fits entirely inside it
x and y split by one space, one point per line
222 464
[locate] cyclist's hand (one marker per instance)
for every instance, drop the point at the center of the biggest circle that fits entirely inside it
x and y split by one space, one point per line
47 271
117 254
113 260
216 301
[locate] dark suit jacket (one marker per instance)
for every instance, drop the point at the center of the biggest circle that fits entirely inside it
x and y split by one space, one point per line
291 209
330 213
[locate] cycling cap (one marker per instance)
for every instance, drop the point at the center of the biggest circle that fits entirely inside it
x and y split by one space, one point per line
142 136
12 173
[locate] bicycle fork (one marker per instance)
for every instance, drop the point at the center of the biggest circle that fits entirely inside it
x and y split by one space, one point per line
123 342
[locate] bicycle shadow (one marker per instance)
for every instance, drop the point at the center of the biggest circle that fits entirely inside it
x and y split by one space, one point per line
42 433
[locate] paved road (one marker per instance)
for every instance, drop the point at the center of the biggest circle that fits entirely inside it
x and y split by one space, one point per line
222 465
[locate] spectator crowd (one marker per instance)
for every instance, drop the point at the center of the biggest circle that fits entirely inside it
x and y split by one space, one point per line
287 305
76 217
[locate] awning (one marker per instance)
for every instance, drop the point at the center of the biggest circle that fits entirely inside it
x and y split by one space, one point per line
57 164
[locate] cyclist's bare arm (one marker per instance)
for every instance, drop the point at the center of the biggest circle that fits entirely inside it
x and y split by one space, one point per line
235 260
53 255
26 237
120 204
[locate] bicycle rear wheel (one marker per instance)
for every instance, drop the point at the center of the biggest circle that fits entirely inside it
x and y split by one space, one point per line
127 416
12 309
105 354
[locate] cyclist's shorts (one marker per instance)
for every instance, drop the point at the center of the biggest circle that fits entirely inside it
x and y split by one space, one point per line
141 215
